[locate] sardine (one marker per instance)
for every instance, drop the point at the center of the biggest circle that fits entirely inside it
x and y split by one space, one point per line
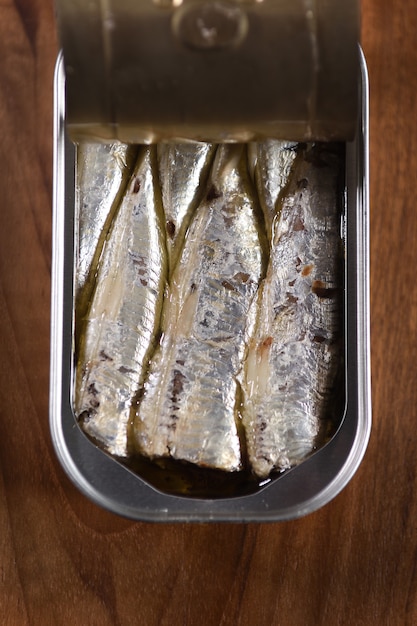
189 409
124 315
294 353
270 164
102 173
183 171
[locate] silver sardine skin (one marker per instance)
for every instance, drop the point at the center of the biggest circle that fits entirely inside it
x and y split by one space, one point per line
183 170
124 315
102 173
270 163
294 353
189 409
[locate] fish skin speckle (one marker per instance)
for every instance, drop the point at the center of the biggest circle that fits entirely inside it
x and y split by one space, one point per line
298 224
170 226
136 186
319 289
126 370
242 277
213 194
291 298
228 285
92 389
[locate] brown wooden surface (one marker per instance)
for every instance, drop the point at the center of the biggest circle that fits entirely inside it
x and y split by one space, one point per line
65 561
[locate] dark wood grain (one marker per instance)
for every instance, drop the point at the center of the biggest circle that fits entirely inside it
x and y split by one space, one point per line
65 561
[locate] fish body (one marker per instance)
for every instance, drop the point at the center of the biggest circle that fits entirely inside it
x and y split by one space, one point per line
271 162
294 352
183 170
190 402
124 314
103 171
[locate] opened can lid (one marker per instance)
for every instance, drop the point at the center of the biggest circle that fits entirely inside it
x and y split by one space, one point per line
143 71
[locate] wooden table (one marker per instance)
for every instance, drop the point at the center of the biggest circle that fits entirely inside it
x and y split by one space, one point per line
65 561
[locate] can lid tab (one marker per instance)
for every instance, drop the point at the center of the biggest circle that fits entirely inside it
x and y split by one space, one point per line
142 71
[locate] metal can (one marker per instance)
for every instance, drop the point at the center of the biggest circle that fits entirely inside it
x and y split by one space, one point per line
298 491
